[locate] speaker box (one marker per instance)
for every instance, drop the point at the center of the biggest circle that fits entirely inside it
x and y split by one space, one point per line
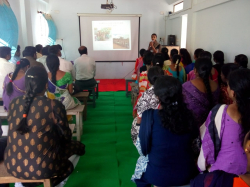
171 40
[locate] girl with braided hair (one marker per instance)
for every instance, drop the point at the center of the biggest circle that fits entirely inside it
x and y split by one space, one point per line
39 139
201 94
176 70
14 83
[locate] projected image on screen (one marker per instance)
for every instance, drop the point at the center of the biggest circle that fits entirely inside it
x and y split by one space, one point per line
111 35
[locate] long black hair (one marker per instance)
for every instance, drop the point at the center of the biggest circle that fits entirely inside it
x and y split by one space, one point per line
176 60
197 52
154 73
164 51
239 82
203 67
241 60
158 60
186 58
219 57
36 79
148 57
227 69
53 64
174 114
23 63
206 54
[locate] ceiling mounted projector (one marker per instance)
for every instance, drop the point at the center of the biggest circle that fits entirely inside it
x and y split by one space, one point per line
109 6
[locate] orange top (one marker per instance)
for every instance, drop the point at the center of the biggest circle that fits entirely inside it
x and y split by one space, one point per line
238 182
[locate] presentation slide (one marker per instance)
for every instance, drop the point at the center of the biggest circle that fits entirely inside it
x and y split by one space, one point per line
111 35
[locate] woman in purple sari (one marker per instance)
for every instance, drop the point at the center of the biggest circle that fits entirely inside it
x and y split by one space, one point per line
224 130
14 83
201 94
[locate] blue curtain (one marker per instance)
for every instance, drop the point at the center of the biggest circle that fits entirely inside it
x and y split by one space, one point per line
8 26
52 30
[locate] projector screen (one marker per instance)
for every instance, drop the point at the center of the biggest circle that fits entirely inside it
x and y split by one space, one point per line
112 38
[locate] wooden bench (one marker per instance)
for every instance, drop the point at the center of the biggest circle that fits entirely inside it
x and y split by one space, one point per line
83 96
78 112
6 178
3 113
128 80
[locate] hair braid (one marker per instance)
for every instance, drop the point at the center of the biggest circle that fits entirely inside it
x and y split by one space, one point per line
177 61
53 64
29 96
21 64
204 68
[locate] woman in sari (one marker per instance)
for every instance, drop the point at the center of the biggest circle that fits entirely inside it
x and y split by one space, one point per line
147 100
224 130
60 84
214 73
143 79
225 72
220 178
14 83
165 139
201 94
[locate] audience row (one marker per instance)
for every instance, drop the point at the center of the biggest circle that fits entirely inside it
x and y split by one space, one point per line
183 128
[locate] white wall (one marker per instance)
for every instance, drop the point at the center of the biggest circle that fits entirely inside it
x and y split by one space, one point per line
64 13
216 25
26 14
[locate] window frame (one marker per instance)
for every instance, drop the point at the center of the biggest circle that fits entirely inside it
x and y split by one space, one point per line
178 4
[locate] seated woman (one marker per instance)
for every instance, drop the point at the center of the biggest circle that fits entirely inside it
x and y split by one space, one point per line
201 94
214 73
168 62
165 139
39 140
241 60
185 58
223 150
220 178
164 52
176 70
147 100
225 71
14 83
60 84
219 60
190 73
143 78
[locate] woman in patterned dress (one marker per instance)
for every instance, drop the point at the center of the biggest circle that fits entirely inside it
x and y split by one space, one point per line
39 138
14 83
165 139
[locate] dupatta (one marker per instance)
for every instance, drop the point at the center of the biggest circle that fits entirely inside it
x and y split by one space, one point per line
62 94
211 133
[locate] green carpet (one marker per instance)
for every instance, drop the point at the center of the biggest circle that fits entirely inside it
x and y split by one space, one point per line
110 154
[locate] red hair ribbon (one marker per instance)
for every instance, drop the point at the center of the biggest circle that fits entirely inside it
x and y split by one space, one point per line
11 80
24 115
18 63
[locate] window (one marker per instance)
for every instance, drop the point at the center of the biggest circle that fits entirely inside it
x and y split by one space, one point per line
184 31
42 30
178 7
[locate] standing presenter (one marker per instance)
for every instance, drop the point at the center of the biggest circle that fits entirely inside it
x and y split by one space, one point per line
154 46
